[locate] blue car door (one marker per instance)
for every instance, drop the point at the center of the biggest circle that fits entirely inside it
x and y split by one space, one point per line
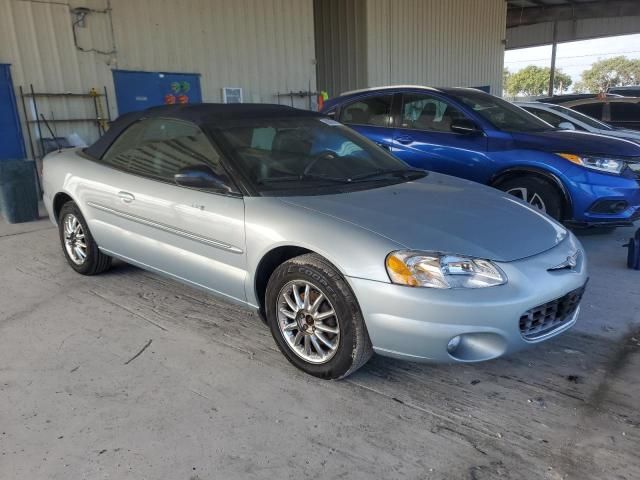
370 116
423 138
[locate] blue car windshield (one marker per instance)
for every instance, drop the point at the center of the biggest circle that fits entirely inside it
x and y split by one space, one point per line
309 155
501 114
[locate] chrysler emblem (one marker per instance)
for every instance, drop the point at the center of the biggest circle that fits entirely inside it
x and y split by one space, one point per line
569 264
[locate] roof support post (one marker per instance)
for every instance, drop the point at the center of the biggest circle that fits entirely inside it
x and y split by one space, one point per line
552 73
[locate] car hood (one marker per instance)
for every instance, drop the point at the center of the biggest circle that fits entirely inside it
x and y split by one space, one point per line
445 214
632 135
577 142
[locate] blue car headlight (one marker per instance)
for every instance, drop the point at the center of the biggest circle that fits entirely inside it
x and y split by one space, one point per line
596 162
440 270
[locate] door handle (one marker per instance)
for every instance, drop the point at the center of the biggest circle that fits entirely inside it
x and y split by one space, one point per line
382 145
126 197
404 139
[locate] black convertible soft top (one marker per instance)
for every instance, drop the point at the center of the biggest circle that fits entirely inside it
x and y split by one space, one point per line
202 114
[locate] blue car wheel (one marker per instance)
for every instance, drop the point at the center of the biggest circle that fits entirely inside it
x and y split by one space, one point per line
537 192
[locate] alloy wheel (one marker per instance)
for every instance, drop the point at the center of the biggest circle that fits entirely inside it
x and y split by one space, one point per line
531 197
74 239
308 321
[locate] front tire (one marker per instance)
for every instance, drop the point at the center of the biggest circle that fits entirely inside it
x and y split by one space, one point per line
79 247
315 319
537 192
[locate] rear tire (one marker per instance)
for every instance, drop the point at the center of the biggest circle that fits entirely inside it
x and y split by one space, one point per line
537 192
294 289
79 247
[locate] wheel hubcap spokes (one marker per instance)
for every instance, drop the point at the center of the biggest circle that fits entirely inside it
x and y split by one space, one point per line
74 239
308 322
531 198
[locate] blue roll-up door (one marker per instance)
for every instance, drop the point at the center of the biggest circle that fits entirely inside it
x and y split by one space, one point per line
11 141
140 90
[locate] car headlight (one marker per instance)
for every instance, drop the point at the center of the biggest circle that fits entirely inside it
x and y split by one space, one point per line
440 270
596 162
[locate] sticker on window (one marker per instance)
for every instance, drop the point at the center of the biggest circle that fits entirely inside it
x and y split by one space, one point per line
330 122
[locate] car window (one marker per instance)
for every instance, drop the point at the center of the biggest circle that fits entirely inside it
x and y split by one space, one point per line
548 117
303 156
625 112
501 114
159 148
581 117
369 111
592 109
425 112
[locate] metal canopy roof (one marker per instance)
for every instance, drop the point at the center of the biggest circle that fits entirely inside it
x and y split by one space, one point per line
529 12
544 3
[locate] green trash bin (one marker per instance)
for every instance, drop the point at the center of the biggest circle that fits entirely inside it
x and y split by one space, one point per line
18 191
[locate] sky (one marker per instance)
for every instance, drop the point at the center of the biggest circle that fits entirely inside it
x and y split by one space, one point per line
574 57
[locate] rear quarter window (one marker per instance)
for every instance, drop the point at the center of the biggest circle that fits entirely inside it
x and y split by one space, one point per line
625 112
592 109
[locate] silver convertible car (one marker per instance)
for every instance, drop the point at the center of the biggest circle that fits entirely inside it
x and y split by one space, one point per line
342 248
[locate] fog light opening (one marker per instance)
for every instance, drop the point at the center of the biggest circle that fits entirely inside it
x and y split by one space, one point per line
453 344
476 346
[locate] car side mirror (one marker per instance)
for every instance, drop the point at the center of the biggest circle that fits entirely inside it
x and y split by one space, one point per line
200 176
465 127
566 126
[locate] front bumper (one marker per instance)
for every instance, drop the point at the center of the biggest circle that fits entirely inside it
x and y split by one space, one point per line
417 323
590 188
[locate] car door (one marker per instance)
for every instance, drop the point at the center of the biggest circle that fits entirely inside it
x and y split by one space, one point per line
423 138
370 116
193 235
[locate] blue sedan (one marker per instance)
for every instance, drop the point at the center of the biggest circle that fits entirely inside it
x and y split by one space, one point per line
579 178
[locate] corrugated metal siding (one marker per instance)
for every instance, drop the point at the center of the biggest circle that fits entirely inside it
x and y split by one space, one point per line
36 39
432 42
340 33
542 33
263 46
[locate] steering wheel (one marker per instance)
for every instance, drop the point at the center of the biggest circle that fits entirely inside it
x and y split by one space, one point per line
324 155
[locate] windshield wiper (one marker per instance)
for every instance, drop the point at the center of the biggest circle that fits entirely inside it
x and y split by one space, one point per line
301 177
398 172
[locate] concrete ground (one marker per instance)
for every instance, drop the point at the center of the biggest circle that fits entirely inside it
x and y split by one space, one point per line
212 398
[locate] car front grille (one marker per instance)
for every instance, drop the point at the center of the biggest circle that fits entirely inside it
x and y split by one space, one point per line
543 319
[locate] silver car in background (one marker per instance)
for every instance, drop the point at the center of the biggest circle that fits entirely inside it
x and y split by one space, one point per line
342 248
568 119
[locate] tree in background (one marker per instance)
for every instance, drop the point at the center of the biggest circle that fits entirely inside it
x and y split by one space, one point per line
505 77
534 81
611 72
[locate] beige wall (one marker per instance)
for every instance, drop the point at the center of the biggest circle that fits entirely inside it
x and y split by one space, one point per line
436 43
263 46
425 42
340 32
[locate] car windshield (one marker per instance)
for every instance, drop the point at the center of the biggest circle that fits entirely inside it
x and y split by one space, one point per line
309 156
502 114
581 117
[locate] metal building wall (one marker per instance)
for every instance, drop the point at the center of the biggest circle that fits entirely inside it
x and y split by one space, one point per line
434 42
263 46
583 29
340 33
